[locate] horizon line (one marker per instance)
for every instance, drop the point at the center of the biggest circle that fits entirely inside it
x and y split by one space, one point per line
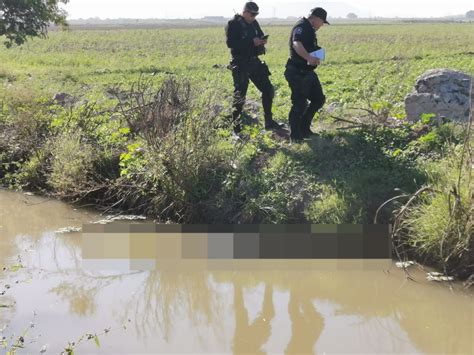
262 18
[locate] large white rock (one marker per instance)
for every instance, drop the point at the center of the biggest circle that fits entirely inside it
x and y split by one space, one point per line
443 92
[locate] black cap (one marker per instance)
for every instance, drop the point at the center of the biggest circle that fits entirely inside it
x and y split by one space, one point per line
321 13
251 7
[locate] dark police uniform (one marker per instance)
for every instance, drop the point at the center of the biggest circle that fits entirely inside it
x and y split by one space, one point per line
303 81
247 66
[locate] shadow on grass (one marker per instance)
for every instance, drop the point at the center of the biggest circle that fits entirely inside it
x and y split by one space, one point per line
358 168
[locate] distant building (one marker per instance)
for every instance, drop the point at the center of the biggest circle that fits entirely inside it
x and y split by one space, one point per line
214 18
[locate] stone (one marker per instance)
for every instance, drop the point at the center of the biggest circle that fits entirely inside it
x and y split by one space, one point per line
442 92
64 99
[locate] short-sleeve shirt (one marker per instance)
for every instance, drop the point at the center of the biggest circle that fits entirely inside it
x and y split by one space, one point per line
303 32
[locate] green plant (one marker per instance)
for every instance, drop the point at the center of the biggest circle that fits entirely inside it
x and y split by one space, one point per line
279 193
22 19
331 207
30 173
177 159
440 227
71 164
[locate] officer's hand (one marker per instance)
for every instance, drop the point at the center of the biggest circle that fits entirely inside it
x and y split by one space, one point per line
259 42
313 61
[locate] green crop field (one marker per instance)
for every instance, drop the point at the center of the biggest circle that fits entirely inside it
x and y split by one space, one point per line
358 56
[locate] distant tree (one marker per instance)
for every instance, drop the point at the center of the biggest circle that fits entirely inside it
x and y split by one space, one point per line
20 19
470 14
351 16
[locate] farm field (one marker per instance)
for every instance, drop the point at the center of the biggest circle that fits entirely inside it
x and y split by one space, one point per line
361 60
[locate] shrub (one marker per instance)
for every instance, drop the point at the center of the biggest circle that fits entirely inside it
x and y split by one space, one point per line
177 160
440 227
31 173
7 75
71 163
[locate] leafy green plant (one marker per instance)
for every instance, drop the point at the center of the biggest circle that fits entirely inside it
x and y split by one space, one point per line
22 19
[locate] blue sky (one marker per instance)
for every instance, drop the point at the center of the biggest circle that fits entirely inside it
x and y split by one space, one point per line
198 9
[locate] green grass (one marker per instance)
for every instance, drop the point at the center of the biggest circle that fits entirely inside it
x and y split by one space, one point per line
440 228
357 55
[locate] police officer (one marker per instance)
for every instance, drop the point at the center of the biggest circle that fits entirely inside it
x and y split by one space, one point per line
246 41
300 74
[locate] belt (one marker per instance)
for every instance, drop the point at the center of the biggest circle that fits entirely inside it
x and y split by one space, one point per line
244 58
293 67
291 64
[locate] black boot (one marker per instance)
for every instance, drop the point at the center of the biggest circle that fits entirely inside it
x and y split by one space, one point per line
307 133
295 133
295 139
271 124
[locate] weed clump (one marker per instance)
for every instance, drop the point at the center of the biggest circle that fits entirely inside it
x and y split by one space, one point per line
71 163
176 161
441 226
331 207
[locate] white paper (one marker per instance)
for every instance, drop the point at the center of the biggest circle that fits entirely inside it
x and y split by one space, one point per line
320 54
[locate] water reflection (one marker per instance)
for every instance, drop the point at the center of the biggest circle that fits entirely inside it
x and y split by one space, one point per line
81 298
241 310
306 323
249 337
162 298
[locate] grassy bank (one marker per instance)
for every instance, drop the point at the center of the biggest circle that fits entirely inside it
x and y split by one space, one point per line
142 125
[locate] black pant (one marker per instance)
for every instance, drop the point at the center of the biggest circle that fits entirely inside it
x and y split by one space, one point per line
257 71
304 85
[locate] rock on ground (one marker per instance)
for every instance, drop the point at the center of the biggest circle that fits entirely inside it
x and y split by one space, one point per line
443 92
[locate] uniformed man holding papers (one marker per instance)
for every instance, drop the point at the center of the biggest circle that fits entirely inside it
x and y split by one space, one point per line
305 56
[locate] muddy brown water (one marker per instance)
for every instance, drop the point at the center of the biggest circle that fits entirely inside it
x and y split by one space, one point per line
254 307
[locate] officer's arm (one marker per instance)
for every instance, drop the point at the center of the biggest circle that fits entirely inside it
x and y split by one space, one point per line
302 52
259 29
234 37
